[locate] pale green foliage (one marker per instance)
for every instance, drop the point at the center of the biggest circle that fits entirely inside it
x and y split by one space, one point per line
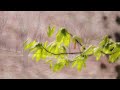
89 50
61 63
79 61
114 57
97 53
39 53
63 37
50 31
115 53
76 39
29 45
58 50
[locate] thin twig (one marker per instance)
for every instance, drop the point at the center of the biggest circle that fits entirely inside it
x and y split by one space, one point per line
61 53
75 39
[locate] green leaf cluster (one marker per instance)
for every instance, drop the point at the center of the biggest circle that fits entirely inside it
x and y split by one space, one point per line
111 48
79 61
63 37
58 52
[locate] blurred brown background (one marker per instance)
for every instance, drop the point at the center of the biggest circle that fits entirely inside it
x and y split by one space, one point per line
17 26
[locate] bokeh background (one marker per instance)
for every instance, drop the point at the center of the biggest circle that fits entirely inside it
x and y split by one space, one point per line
17 26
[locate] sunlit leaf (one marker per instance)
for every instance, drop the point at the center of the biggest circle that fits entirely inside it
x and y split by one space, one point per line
38 55
89 50
45 44
74 63
97 53
33 49
44 54
29 45
79 62
66 39
34 55
109 47
77 39
50 31
59 37
116 48
79 65
51 65
104 41
63 61
67 63
58 67
114 57
64 49
48 61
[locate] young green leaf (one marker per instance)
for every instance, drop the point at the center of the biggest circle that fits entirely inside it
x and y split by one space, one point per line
89 50
29 45
114 57
54 48
62 49
38 55
77 39
58 67
34 55
97 53
80 65
59 37
44 54
45 44
74 63
33 49
63 37
48 61
66 40
104 41
108 47
116 48
50 31
67 63
79 62
76 59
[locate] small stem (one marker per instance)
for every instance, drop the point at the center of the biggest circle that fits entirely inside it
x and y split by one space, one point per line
61 53
105 53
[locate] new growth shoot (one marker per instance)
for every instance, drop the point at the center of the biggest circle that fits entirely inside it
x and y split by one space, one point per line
58 50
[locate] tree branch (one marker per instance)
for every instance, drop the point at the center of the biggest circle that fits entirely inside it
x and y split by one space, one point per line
60 53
